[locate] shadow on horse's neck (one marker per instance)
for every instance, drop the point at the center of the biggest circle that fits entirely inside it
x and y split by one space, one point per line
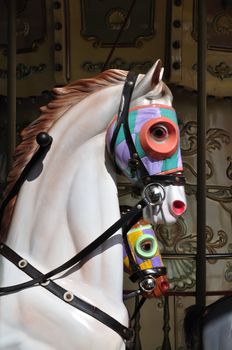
70 204
117 239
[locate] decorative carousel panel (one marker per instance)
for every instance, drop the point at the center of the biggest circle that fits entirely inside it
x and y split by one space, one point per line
30 24
101 20
218 186
99 24
184 31
38 24
61 17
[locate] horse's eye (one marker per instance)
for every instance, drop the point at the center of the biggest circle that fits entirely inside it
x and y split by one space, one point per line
159 137
159 132
146 246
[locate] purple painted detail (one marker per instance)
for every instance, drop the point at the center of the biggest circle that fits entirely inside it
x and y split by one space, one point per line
156 261
148 231
123 154
153 166
138 118
145 115
140 261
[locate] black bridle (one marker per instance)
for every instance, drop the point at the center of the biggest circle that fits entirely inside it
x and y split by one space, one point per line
137 168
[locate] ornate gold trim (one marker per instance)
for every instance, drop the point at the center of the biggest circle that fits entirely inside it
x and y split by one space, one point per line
108 19
23 71
117 63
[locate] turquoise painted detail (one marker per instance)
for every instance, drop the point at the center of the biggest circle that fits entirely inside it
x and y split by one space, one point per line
170 163
169 114
132 120
120 136
142 253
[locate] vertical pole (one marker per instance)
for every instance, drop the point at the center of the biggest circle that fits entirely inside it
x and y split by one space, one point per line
201 150
137 327
166 326
11 81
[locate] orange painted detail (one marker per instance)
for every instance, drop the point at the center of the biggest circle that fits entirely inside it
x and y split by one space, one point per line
166 146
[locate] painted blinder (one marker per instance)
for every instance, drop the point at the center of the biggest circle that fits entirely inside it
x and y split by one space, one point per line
143 261
155 133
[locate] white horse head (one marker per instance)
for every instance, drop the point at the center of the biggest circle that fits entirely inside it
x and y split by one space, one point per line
144 140
68 199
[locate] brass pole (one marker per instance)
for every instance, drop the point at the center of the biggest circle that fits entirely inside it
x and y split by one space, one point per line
11 81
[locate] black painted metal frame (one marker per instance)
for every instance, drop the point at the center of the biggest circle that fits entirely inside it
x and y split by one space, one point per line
11 81
201 156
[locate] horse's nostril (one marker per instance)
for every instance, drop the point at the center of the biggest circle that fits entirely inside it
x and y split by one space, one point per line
178 207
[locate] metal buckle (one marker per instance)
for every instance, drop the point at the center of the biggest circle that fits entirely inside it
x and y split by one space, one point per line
148 284
154 194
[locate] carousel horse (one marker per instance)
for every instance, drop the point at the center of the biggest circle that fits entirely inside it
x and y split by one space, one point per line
61 201
210 326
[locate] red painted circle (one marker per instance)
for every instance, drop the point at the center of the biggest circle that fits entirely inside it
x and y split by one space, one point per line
178 207
159 138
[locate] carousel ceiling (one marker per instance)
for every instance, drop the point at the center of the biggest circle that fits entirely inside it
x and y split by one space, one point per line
60 41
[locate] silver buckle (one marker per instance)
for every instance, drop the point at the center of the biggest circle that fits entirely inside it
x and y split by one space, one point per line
154 194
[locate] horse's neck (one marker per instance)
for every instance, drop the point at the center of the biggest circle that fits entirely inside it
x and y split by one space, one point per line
71 202
70 133
88 118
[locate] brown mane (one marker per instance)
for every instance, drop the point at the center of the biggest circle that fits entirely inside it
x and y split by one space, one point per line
64 98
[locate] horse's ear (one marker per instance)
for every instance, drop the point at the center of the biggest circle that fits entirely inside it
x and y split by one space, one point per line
149 80
157 72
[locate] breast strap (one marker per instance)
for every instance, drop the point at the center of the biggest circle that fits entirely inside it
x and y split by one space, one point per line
67 296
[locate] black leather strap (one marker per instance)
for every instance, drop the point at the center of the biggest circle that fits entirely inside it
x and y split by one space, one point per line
125 332
44 141
135 163
124 106
165 180
125 220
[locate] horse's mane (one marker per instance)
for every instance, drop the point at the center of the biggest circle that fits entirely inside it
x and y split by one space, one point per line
64 98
